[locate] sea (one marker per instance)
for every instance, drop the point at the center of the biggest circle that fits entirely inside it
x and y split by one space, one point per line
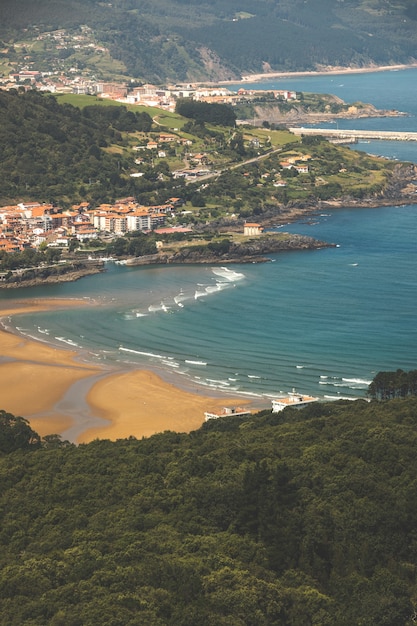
323 322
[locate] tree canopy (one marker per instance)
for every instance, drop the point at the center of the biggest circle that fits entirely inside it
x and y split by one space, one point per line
300 517
60 151
221 114
398 384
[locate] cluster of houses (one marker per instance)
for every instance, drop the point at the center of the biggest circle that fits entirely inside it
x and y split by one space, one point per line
27 225
144 95
62 78
298 162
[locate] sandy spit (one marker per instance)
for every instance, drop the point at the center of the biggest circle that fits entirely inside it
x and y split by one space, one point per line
60 393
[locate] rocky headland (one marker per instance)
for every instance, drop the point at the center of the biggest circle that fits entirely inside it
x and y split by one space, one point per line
253 250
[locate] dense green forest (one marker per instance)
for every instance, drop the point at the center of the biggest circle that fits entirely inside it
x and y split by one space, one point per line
202 112
60 153
289 519
192 40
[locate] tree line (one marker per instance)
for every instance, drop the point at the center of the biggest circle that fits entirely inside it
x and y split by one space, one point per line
201 112
398 384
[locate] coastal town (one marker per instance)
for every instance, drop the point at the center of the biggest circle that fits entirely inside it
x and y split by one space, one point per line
29 225
60 77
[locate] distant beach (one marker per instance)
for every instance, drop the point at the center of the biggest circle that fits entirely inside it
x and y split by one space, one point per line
254 78
59 393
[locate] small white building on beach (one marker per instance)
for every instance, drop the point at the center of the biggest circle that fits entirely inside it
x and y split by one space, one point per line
226 412
294 399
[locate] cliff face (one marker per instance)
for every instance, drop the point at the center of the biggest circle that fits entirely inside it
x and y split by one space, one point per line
304 115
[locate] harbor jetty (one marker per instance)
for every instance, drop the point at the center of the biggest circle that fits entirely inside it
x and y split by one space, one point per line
354 135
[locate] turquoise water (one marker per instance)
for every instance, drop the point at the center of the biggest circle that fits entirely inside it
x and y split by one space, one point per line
322 321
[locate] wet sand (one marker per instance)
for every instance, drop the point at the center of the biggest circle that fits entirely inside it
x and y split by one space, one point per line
140 403
61 394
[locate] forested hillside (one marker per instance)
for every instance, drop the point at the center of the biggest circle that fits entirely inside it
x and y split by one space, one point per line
302 517
54 152
57 152
187 39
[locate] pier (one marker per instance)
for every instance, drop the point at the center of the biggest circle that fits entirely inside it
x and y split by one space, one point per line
355 135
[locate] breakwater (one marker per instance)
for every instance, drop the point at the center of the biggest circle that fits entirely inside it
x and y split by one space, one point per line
332 133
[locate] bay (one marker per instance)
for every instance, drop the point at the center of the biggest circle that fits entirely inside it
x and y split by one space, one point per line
321 321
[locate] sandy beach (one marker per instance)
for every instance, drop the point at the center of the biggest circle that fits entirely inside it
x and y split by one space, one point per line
59 393
255 78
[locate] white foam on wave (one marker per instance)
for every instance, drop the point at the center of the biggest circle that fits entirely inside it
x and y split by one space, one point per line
253 376
68 341
182 297
357 381
191 362
341 398
251 394
350 383
228 274
154 308
151 354
222 383
216 287
332 383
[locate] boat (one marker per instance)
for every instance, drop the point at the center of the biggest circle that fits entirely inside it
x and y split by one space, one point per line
294 399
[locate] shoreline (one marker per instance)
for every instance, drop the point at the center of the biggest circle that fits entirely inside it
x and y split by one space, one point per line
59 392
331 71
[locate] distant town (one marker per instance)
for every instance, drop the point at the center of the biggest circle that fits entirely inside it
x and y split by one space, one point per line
61 77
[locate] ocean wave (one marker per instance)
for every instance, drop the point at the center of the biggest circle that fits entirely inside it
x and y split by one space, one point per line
199 294
349 383
357 381
154 308
151 354
182 297
70 342
222 383
216 287
228 274
252 394
191 362
341 398
332 383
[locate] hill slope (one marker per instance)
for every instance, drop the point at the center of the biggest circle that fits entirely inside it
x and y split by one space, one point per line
302 517
187 39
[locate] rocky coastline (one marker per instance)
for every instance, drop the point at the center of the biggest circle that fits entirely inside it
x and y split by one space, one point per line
37 278
401 190
301 115
251 251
